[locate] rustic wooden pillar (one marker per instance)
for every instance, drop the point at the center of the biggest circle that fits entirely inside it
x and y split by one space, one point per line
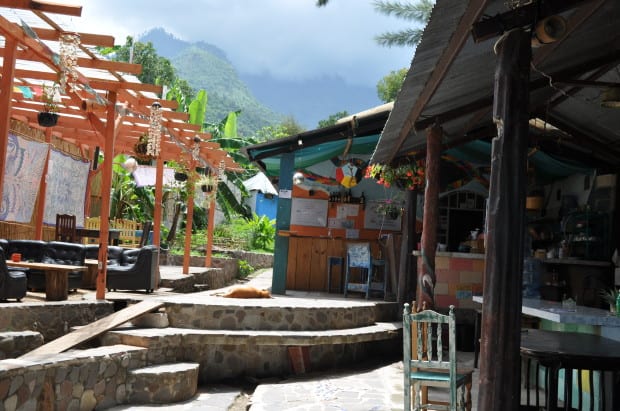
501 310
406 281
426 261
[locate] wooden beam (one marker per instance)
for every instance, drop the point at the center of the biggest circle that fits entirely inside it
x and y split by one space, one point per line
88 39
8 70
521 17
45 6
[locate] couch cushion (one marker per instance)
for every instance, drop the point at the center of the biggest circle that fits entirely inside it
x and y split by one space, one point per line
31 250
130 256
115 255
57 252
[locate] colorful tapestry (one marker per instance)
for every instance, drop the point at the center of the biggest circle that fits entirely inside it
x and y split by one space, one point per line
66 187
23 168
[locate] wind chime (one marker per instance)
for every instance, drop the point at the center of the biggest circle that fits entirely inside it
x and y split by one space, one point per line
153 144
69 45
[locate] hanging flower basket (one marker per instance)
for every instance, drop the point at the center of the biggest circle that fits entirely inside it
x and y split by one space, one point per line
407 176
47 119
389 209
140 149
179 176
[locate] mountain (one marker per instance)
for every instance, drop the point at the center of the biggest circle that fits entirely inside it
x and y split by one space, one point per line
263 99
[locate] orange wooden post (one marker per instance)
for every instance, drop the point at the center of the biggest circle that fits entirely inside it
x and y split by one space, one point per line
6 85
106 187
189 217
210 225
38 219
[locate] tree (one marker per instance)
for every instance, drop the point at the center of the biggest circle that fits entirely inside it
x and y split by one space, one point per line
389 86
331 120
419 12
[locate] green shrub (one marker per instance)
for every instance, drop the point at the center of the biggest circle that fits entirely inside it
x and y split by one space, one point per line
245 269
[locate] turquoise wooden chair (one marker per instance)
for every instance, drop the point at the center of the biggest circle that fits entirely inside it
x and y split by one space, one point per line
427 366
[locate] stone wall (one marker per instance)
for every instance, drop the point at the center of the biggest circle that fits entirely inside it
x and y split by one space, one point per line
77 380
52 319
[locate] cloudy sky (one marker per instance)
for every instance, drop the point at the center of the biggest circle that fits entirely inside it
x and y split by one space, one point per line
289 39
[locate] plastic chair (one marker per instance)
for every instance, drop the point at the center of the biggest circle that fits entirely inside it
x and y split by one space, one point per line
425 364
359 259
66 228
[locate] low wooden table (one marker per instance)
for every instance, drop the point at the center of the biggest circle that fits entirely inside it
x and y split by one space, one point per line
113 234
90 277
56 277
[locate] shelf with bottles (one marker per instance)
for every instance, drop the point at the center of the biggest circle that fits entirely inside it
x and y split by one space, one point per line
345 197
586 233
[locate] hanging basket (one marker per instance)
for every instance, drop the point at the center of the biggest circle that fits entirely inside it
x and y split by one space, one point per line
140 149
47 119
178 176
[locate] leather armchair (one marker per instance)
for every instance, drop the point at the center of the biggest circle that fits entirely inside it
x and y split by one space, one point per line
31 250
137 270
12 282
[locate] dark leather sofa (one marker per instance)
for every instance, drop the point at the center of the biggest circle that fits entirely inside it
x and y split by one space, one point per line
52 252
12 281
133 269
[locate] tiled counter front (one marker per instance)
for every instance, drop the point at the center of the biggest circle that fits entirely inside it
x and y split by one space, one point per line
459 277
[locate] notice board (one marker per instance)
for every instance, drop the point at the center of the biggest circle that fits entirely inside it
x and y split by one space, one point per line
309 212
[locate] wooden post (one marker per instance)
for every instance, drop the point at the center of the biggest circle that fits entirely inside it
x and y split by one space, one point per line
38 219
190 215
6 89
106 187
406 284
210 226
426 261
501 310
283 223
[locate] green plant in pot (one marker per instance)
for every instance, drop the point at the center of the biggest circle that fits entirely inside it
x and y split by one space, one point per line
51 100
610 296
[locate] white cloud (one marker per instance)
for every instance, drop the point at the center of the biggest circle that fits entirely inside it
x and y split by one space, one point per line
290 39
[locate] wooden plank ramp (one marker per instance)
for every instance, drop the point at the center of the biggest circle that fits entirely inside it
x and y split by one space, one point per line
94 329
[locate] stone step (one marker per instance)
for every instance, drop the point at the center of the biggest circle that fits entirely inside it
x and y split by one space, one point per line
13 344
162 383
204 311
226 354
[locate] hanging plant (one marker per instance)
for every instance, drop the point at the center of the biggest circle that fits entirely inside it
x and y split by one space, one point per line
409 176
140 149
389 209
208 185
51 100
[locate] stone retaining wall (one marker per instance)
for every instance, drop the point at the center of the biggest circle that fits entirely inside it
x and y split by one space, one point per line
52 319
76 380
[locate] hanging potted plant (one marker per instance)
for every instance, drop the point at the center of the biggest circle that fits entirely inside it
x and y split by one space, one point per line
51 99
406 176
390 209
140 149
208 185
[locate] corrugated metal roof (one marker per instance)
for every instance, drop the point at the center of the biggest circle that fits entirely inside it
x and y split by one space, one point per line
462 100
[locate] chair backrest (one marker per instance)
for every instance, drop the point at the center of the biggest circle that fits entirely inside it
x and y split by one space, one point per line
146 230
358 255
427 327
127 236
92 223
66 228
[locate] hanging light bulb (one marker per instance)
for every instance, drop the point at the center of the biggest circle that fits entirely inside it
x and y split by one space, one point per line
69 45
153 144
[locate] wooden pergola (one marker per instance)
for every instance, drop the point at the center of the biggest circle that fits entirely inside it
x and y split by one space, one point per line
108 109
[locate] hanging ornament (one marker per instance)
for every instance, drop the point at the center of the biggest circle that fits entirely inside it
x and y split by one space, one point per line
196 148
221 169
69 45
153 144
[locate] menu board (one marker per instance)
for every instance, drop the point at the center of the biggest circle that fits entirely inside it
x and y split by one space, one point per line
309 212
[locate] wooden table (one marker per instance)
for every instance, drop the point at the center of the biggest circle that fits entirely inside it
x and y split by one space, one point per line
56 277
574 351
89 280
113 234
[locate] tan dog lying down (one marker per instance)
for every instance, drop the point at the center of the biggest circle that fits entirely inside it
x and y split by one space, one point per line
245 291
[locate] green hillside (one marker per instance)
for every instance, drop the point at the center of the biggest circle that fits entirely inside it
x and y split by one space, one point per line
226 92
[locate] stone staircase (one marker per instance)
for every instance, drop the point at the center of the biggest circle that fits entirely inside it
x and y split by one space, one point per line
231 338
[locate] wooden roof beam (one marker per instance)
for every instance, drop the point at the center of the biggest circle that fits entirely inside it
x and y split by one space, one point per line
45 6
88 39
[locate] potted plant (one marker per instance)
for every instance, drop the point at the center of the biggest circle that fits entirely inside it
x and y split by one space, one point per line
51 98
140 149
610 295
208 185
408 175
389 209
